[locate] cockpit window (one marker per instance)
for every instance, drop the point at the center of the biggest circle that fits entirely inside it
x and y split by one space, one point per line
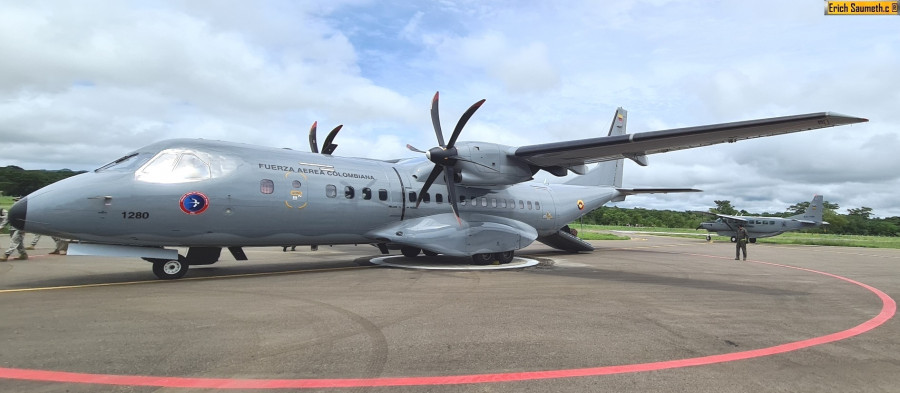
179 166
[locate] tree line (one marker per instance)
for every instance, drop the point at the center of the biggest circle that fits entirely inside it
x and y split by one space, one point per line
15 181
857 221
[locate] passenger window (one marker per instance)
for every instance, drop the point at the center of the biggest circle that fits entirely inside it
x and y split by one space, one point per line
462 200
266 186
412 196
529 205
537 206
331 191
512 203
426 197
503 203
295 183
349 192
493 202
438 198
521 204
382 195
367 193
484 201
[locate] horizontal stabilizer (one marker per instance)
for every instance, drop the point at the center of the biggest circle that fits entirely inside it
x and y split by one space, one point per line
636 191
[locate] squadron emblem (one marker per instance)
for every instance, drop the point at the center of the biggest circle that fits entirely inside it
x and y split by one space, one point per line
194 202
580 204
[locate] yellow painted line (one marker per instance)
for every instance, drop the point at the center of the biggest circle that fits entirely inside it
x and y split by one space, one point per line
2 291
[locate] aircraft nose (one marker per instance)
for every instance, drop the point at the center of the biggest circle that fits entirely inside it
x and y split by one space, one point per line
17 214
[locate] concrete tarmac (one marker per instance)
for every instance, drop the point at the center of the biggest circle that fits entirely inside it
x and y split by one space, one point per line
653 313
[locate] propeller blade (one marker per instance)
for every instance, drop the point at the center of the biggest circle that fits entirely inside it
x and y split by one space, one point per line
436 119
431 177
451 192
462 122
328 147
313 146
410 147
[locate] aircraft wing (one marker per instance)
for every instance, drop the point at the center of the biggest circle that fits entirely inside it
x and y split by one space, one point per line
585 151
733 218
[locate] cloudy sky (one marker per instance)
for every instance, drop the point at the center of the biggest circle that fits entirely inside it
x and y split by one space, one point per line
82 82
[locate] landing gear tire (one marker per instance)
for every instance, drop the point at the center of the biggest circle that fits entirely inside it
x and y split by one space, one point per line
752 240
410 252
733 239
169 269
505 257
429 253
484 259
708 238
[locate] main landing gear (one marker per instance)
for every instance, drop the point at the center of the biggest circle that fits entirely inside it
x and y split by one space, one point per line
166 269
478 259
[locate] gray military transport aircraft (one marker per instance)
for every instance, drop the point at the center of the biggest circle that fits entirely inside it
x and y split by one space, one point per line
465 199
758 227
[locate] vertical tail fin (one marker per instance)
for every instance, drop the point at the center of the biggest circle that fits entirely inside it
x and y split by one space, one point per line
815 210
608 173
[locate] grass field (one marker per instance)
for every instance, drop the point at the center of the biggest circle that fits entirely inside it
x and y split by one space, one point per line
816 239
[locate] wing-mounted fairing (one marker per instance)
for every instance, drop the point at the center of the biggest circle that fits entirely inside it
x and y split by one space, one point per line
441 233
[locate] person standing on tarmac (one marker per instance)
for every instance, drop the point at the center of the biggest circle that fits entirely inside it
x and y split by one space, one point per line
741 244
17 237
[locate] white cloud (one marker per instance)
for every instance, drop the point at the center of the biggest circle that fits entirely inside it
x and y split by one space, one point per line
84 82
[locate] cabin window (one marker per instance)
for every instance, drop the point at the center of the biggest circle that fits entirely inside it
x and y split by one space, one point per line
426 197
503 203
529 205
493 202
438 198
412 196
295 184
512 203
367 193
521 204
266 186
382 195
537 206
331 191
349 192
483 201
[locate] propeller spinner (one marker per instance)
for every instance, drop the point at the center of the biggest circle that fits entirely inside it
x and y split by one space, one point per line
444 156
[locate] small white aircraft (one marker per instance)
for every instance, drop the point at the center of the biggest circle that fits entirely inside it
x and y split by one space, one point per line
465 199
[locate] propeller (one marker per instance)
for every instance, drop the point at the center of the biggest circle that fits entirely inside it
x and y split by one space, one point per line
328 147
444 156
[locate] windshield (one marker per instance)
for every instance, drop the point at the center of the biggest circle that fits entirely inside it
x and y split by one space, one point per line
181 166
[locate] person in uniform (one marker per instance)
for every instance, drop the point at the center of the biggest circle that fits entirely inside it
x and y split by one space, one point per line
741 245
17 237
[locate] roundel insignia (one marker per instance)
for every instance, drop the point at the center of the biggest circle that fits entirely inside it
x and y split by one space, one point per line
194 202
580 204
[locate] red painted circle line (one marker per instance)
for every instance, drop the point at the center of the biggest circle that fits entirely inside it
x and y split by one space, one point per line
888 309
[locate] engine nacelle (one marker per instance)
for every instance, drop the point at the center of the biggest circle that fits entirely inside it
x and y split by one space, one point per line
489 164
